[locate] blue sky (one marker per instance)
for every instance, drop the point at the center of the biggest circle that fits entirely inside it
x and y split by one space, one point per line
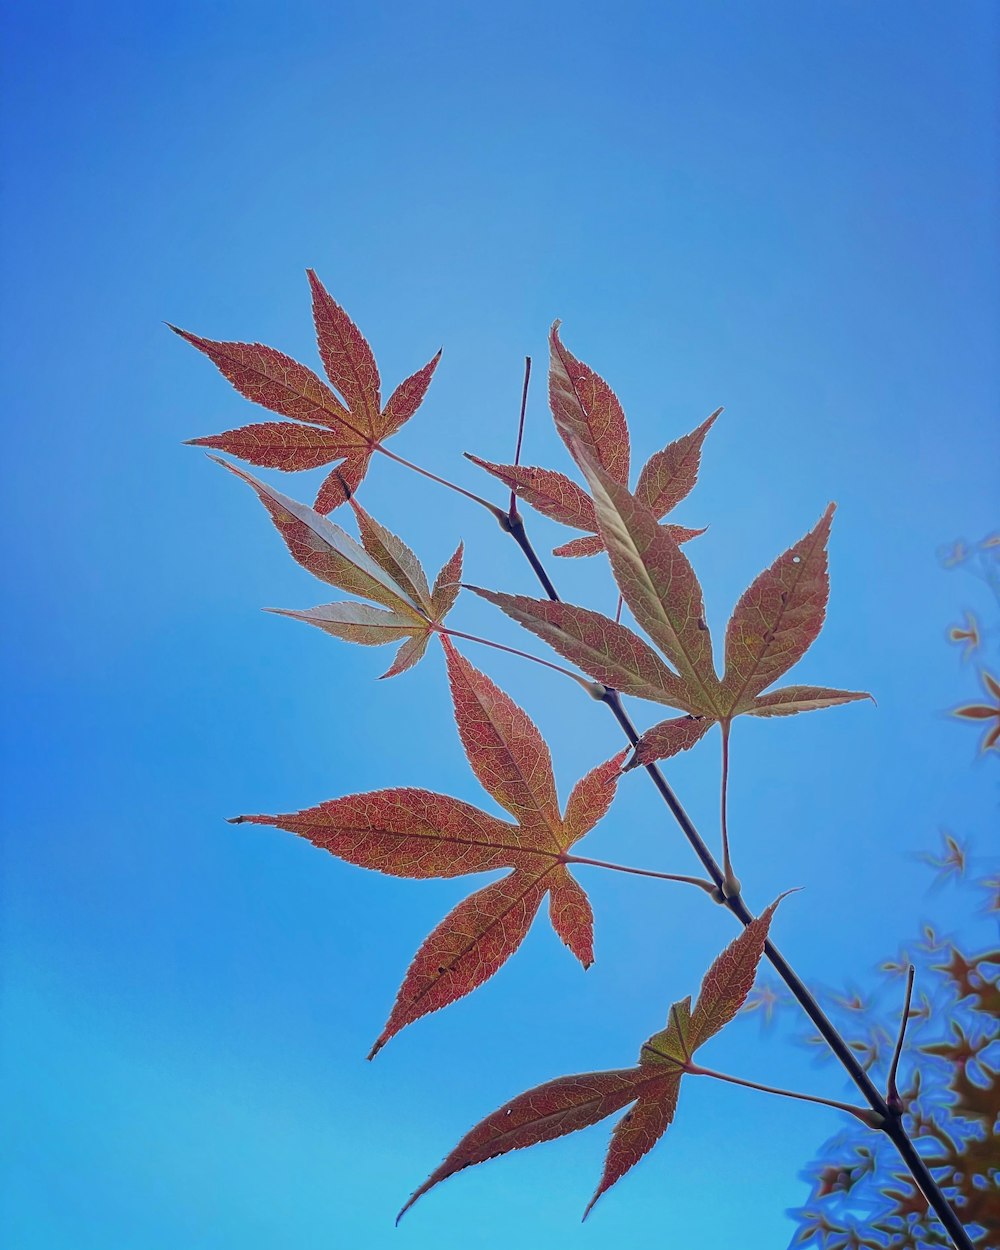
785 208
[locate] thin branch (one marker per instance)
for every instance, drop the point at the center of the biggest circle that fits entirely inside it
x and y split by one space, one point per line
871 1118
512 511
892 1093
731 883
707 886
516 530
891 1124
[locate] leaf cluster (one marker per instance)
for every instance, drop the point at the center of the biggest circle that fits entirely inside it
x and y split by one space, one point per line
667 659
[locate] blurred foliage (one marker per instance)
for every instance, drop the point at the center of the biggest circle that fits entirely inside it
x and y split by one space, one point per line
949 1077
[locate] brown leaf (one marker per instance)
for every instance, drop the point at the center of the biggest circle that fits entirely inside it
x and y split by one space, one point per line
787 700
670 475
570 1103
587 411
553 494
606 650
658 584
777 619
278 445
668 738
347 357
416 833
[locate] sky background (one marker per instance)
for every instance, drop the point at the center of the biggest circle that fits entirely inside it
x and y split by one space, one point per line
786 208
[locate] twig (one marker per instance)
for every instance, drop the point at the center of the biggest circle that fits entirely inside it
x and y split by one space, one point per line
890 1123
892 1093
512 511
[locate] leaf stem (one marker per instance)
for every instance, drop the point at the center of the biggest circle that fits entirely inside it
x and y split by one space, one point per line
892 1093
871 1118
499 513
640 872
524 655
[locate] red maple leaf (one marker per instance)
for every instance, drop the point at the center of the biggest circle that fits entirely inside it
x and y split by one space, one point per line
347 423
587 411
573 1102
382 569
416 833
776 620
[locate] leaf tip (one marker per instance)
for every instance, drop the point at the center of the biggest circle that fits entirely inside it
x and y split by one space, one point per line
409 1203
590 1206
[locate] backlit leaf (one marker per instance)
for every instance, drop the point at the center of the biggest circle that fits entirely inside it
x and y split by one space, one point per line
447 585
276 381
384 569
353 622
553 494
393 555
658 584
787 700
777 618
587 411
570 1103
588 416
405 400
327 551
588 545
354 427
668 738
729 979
604 649
552 1110
347 357
670 475
415 833
279 445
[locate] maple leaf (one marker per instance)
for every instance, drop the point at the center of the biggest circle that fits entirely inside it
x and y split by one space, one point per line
573 1102
985 712
349 426
772 626
587 411
606 650
417 833
382 569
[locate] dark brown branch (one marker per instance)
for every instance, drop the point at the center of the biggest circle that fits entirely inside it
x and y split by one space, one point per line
889 1119
892 1093
891 1122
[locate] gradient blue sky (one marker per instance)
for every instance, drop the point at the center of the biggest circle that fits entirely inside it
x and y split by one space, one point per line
786 208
